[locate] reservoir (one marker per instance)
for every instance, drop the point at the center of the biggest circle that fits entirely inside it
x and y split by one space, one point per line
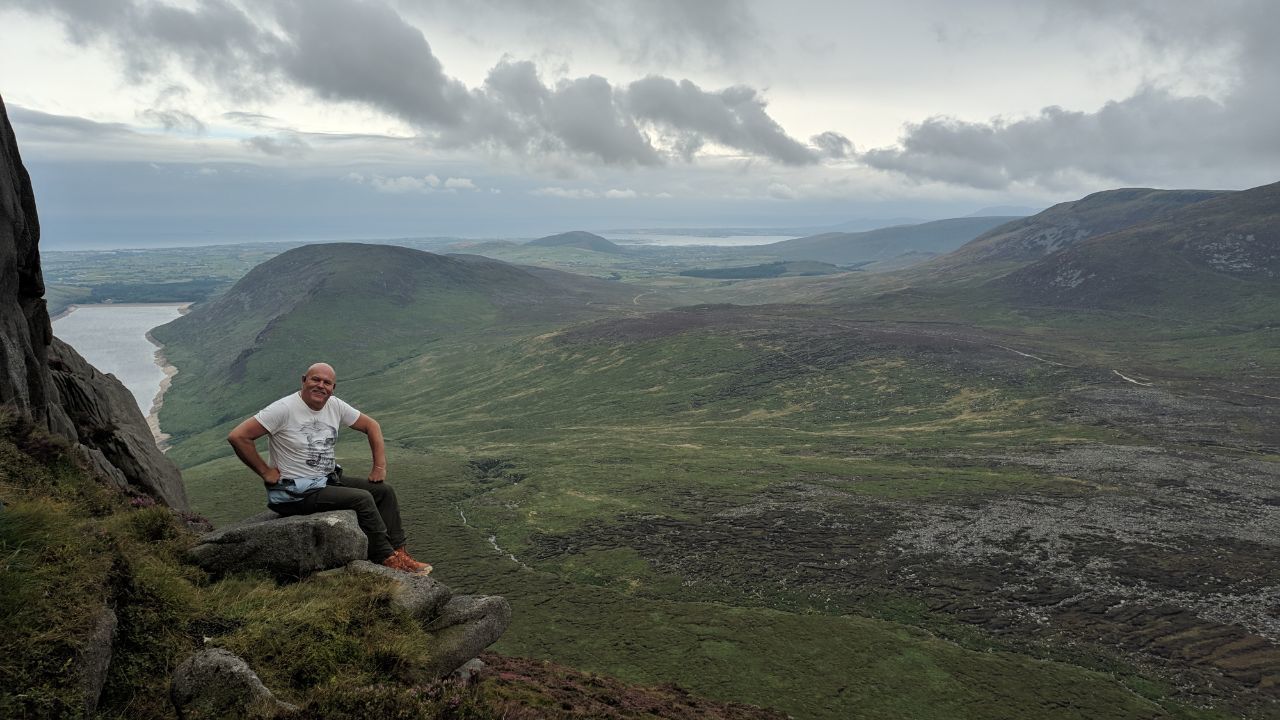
114 339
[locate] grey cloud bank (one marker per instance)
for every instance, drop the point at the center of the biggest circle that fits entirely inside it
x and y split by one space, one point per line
1157 135
230 120
366 52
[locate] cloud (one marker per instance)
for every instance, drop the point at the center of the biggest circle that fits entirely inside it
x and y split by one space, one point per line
782 191
1160 133
832 144
278 146
585 194
172 120
366 53
734 117
410 184
585 115
249 119
671 33
45 126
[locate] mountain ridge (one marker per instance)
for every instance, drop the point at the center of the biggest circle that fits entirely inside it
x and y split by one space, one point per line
1211 250
884 244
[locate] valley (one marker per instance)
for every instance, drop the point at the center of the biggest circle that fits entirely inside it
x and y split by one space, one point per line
809 493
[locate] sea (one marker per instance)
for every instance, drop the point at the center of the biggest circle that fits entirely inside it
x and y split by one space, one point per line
113 337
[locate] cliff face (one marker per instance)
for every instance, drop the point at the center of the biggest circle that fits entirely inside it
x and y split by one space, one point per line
47 378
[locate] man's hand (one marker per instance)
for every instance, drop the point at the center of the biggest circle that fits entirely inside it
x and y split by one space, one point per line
377 474
271 476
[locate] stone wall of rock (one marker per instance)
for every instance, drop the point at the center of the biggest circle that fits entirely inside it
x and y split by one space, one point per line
45 377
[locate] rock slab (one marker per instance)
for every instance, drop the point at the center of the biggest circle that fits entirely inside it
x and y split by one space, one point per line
285 547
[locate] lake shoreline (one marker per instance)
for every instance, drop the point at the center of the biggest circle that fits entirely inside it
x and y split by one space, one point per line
153 416
168 371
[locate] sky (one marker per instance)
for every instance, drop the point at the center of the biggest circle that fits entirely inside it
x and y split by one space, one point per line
179 122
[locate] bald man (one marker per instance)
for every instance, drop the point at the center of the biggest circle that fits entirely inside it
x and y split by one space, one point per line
302 477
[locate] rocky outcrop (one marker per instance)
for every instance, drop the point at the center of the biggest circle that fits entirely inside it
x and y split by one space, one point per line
46 378
466 625
25 331
460 626
288 547
215 683
110 427
292 547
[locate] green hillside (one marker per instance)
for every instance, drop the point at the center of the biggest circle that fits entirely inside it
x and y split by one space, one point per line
365 308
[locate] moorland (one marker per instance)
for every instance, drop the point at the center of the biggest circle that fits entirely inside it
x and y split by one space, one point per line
1030 471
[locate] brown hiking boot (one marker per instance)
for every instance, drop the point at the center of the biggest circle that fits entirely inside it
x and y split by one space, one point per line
422 568
404 563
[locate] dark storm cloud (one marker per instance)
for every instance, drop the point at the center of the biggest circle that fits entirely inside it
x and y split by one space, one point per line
363 51
1157 133
734 117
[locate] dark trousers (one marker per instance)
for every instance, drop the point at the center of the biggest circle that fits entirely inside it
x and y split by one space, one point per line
375 504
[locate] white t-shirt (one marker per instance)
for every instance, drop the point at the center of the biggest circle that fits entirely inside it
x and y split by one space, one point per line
300 439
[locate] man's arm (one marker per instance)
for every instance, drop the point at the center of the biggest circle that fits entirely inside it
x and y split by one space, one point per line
241 439
370 427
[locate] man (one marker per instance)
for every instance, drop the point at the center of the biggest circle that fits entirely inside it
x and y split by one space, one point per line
302 430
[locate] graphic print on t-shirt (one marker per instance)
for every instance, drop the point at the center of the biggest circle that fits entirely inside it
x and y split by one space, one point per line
320 441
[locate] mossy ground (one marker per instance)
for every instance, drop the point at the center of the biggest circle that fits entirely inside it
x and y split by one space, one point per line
71 546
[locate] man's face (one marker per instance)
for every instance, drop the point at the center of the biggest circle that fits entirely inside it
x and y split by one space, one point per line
318 385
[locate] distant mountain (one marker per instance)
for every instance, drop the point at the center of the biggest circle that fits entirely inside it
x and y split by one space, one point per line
1203 257
579 239
884 244
864 224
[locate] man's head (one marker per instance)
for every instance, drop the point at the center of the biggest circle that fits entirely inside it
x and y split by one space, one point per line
318 384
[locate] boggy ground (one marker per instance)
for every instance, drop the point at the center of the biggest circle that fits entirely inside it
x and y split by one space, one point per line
1158 548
